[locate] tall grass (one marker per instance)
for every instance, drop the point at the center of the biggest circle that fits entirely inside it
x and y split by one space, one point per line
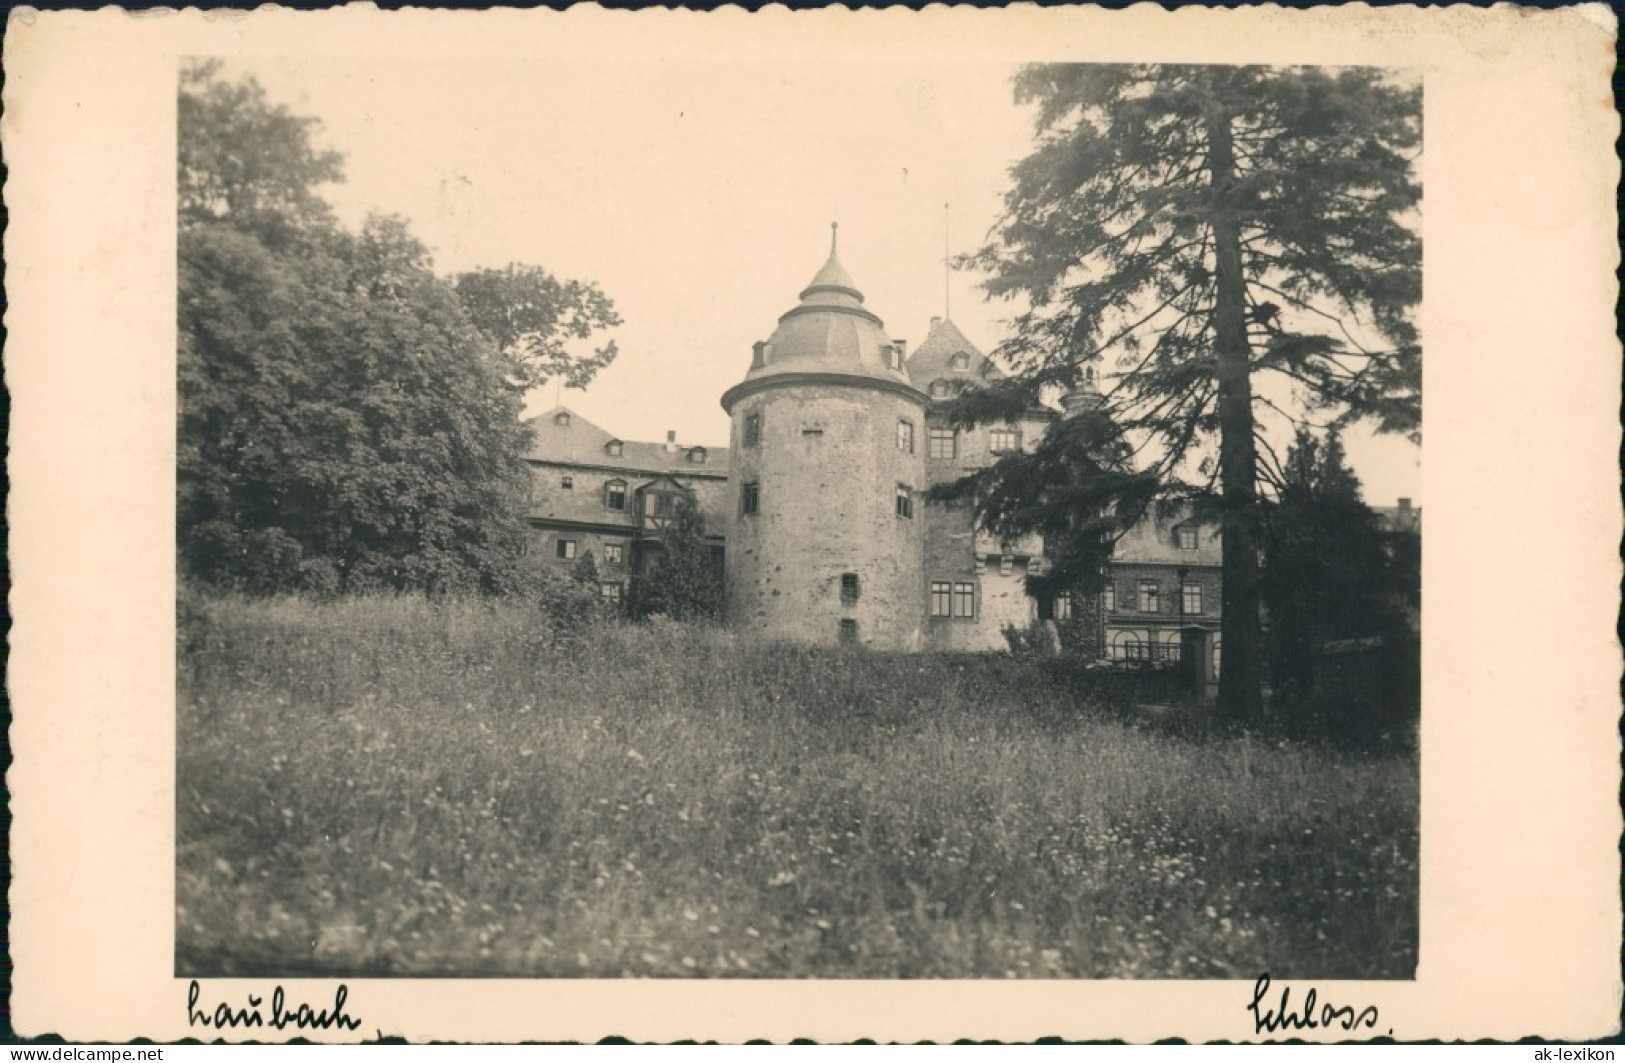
391 786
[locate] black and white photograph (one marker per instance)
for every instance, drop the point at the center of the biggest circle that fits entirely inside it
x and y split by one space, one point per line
787 516
582 572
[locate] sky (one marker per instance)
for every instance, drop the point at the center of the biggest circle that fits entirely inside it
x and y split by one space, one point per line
699 197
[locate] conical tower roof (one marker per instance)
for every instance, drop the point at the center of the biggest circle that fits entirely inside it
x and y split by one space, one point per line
829 336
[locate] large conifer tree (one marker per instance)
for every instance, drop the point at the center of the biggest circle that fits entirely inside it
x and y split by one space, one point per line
1190 230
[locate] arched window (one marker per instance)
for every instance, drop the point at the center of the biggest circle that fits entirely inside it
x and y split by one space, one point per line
562 418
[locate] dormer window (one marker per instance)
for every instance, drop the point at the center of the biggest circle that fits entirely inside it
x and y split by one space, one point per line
696 455
894 357
613 448
562 418
961 362
939 389
1185 537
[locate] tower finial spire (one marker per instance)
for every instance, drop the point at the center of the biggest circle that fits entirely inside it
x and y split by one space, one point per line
834 228
947 268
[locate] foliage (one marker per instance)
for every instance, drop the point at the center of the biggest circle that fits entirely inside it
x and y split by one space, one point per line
344 425
1186 229
532 318
682 579
395 786
1331 570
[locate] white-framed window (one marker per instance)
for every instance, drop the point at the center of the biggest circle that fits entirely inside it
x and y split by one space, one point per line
961 362
905 501
964 599
615 494
1190 598
1062 607
565 549
1150 596
611 591
941 442
1003 440
613 448
905 436
1185 537
614 554
1108 597
941 598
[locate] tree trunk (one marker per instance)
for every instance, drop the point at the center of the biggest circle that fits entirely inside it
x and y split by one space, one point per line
1240 674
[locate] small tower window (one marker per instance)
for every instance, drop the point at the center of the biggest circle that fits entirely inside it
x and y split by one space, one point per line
613 448
753 430
905 501
562 418
849 631
849 588
905 437
567 482
615 494
961 362
750 498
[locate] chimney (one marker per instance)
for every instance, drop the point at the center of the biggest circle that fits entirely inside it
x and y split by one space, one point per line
1404 505
936 321
671 441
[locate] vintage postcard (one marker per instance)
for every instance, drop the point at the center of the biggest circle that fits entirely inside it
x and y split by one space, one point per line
816 524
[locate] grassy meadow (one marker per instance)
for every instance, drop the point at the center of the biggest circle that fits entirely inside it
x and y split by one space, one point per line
392 786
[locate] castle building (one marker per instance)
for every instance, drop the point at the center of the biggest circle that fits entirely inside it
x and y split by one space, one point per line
818 504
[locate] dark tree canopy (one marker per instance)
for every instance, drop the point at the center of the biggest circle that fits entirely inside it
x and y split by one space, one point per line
1223 246
344 423
683 578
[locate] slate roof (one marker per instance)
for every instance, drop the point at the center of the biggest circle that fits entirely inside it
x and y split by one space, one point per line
1152 541
583 443
829 331
933 359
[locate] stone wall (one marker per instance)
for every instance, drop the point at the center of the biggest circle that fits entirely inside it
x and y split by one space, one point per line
827 467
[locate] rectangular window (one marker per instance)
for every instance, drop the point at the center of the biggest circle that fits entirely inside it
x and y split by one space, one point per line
1191 598
1007 565
941 595
753 429
849 588
905 437
610 591
1148 596
566 549
1108 597
615 494
942 441
750 498
567 482
1187 538
905 501
613 554
1002 440
1063 607
965 599
849 631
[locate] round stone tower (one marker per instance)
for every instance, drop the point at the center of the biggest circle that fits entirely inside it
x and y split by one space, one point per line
826 533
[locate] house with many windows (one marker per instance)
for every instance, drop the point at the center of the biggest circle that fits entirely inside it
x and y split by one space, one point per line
819 505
